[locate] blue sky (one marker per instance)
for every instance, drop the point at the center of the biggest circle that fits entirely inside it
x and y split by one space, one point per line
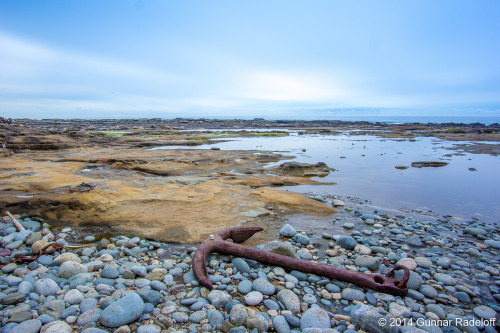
277 59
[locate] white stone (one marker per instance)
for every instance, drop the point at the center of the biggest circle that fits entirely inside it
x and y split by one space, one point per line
68 256
56 327
399 311
71 268
362 249
408 262
254 298
73 296
106 257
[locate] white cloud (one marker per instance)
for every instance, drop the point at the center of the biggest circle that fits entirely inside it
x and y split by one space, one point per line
290 87
28 66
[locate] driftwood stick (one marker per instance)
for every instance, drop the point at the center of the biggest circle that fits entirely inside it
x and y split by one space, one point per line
18 225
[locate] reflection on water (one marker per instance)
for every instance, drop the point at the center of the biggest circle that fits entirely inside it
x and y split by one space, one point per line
366 168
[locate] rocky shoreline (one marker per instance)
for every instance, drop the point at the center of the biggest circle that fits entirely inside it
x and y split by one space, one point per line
121 284
20 135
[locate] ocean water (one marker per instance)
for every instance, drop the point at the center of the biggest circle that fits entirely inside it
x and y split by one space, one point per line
365 167
326 116
418 119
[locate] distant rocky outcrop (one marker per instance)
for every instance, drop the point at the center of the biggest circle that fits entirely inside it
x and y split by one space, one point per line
319 169
429 164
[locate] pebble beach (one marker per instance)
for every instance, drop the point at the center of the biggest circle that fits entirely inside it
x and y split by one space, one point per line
127 284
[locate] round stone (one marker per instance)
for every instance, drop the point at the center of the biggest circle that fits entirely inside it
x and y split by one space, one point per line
484 312
475 231
414 241
492 243
289 299
241 265
219 298
264 286
9 268
292 320
414 282
106 257
88 317
372 263
73 296
462 297
253 298
347 242
423 262
291 278
71 268
56 327
148 329
13 298
310 299
304 254
333 288
338 203
215 317
180 317
370 221
28 326
197 316
428 291
444 262
46 287
149 296
89 239
45 260
238 315
284 248
124 311
281 325
436 309
25 287
445 278
288 231
14 245
361 249
245 286
315 317
302 239
109 272
353 294
271 305
87 304
68 256
408 262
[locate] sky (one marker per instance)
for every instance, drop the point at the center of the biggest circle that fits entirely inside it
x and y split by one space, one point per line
245 59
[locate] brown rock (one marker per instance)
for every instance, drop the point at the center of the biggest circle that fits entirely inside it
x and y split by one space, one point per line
293 201
175 208
38 246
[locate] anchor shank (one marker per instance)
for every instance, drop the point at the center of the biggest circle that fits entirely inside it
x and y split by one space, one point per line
373 281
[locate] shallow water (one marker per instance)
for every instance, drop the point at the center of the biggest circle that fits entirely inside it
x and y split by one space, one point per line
365 168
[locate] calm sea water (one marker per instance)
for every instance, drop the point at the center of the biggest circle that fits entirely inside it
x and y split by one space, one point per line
323 116
365 168
422 120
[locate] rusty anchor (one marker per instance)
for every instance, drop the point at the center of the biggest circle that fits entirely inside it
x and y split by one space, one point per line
217 243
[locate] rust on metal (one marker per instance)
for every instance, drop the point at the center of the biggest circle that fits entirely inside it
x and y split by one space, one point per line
217 243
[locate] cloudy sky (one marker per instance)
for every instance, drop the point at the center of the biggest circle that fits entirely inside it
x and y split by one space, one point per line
277 59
